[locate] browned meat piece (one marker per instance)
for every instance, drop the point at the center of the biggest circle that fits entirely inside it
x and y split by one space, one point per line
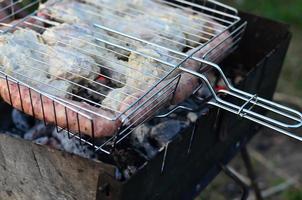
187 84
102 127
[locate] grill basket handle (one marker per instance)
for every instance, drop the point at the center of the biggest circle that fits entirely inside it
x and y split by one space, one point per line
251 101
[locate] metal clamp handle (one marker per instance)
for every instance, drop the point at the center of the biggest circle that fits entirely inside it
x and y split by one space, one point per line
245 111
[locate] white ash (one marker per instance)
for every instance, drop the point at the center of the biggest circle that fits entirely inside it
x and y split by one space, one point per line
152 136
38 131
42 140
150 139
21 121
131 170
72 145
192 117
12 134
140 140
164 132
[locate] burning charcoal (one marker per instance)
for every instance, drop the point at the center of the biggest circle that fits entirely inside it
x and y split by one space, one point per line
42 140
192 117
22 121
129 172
165 131
140 134
98 89
118 174
37 131
139 139
127 160
54 143
73 145
12 134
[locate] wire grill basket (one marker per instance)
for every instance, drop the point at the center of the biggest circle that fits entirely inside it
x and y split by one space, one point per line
103 67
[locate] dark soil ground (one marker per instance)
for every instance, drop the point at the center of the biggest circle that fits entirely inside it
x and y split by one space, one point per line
277 162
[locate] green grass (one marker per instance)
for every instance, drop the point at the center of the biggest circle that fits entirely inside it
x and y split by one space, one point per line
288 11
292 194
285 10
277 181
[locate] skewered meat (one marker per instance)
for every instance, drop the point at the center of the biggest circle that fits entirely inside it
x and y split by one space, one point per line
17 59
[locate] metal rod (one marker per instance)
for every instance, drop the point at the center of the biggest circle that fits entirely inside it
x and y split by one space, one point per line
251 172
236 179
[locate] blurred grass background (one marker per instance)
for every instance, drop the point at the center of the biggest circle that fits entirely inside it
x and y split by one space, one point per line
282 152
290 12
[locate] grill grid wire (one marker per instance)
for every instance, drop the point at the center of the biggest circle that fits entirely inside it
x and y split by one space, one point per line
229 25
42 20
174 54
31 24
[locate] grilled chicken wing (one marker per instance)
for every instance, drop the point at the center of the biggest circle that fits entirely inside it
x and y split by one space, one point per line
28 59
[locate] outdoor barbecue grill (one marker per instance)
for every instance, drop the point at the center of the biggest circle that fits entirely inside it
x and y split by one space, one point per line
223 132
220 39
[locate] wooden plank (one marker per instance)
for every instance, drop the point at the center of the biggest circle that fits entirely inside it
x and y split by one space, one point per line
32 172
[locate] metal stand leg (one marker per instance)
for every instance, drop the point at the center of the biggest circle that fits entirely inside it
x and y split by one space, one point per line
244 187
251 173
